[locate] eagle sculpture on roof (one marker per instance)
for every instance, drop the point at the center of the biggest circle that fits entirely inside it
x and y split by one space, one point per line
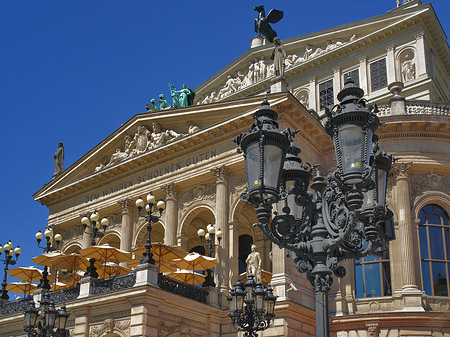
262 26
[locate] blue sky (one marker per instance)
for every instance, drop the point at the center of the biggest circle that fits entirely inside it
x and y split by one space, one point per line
73 71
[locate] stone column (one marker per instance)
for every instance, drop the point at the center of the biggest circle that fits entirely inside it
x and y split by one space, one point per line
410 293
126 234
336 83
221 275
420 57
233 253
390 64
312 94
170 234
363 79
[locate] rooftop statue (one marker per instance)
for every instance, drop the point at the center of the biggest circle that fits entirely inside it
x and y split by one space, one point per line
58 160
262 26
278 57
183 97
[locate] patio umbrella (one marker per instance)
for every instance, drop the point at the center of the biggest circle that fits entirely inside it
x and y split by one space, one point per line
47 258
186 276
110 269
21 287
266 276
28 274
162 252
164 266
69 262
58 286
195 261
106 253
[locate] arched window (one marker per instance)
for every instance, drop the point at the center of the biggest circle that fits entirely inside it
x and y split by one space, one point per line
434 244
245 247
373 275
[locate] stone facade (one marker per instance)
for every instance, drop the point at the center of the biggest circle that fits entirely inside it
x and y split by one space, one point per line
200 176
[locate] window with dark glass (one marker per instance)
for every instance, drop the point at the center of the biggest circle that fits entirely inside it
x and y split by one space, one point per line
378 74
434 245
373 275
326 94
245 246
354 75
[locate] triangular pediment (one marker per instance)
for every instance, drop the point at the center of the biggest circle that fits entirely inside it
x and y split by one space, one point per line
252 73
154 139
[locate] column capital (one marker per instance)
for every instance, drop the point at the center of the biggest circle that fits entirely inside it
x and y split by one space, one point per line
337 70
390 47
419 36
125 205
170 191
312 80
401 170
363 59
221 173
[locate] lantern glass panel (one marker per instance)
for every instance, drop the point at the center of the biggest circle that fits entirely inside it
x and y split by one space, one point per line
368 199
295 209
350 140
381 185
259 301
253 166
273 156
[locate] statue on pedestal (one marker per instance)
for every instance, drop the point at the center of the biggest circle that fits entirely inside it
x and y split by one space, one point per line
262 26
278 57
253 262
58 160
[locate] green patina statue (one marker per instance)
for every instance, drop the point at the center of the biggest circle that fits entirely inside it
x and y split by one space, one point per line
180 98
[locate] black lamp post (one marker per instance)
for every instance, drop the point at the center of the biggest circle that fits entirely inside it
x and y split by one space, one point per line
347 219
152 206
251 307
47 322
209 237
9 254
48 233
96 225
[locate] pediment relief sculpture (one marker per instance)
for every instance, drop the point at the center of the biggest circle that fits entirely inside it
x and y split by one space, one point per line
145 139
260 69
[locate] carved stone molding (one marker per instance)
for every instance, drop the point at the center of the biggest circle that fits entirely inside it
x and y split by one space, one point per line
401 170
419 35
372 329
198 193
312 80
110 325
221 173
390 47
430 182
170 191
125 204
115 220
174 325
363 59
337 70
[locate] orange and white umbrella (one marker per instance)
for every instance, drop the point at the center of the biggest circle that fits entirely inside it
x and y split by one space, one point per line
106 253
21 287
47 258
28 274
187 276
110 269
162 252
164 266
195 261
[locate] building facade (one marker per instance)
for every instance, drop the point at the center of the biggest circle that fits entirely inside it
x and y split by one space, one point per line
186 156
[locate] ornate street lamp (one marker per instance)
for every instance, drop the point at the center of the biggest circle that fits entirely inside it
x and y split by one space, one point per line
152 206
209 237
49 237
251 307
347 219
47 322
9 254
96 225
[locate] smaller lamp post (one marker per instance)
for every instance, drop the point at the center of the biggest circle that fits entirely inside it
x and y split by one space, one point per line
46 321
152 206
96 225
209 237
9 254
49 237
251 307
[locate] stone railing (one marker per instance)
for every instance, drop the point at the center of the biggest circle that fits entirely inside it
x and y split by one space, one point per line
418 108
10 308
65 295
182 289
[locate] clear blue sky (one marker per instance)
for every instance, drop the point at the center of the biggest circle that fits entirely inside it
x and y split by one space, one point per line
73 71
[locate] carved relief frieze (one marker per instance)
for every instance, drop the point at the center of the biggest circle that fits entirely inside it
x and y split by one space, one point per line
198 193
260 69
115 221
145 139
110 325
239 183
429 182
73 233
174 325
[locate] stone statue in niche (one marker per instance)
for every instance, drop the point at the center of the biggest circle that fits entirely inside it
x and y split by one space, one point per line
408 69
303 98
253 262
58 159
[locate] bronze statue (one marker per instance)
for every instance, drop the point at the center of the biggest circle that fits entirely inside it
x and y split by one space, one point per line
262 26
58 160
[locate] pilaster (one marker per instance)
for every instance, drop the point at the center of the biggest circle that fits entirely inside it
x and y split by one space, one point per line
170 235
233 253
312 94
336 82
363 79
421 57
390 64
127 224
